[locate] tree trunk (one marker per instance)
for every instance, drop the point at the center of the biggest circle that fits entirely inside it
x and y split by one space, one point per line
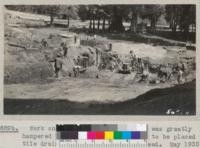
186 31
192 27
90 26
174 29
134 20
104 23
174 20
51 20
98 23
68 21
174 26
109 22
116 24
93 23
186 21
153 23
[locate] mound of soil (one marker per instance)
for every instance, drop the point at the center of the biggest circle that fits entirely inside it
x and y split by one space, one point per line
27 73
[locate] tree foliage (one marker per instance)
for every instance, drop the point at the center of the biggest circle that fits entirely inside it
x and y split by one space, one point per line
181 16
152 12
178 16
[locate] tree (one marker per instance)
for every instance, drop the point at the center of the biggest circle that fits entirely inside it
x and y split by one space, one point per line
69 12
83 12
187 18
117 14
153 12
135 11
68 16
99 18
173 13
91 13
104 21
52 11
92 16
182 16
106 12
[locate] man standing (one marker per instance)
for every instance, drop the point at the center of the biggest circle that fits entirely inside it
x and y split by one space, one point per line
76 70
57 64
133 59
75 39
180 76
65 49
79 61
44 43
145 75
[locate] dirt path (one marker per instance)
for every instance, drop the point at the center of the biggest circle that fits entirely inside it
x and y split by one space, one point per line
80 90
164 39
141 50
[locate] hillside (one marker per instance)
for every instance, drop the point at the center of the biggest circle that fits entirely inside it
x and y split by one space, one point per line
153 102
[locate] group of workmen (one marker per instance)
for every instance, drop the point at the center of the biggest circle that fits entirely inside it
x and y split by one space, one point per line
137 64
58 61
142 66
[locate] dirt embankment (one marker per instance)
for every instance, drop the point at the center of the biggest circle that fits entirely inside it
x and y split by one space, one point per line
154 102
27 61
24 59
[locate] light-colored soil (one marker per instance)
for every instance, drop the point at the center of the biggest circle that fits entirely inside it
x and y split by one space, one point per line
80 89
109 87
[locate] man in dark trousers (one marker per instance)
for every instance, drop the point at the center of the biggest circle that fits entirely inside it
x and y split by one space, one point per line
133 59
57 64
65 49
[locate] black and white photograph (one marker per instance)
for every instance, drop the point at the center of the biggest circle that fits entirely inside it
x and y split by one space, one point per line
130 59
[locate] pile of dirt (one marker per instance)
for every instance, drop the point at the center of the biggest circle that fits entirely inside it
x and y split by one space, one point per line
98 43
25 53
106 76
20 37
24 60
27 73
24 20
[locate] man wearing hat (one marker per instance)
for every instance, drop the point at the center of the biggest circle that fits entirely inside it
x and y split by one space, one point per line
57 64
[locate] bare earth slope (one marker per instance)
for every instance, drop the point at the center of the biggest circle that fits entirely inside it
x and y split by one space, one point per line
154 102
